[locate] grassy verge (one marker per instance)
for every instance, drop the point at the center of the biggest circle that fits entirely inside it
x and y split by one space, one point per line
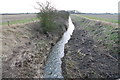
101 19
23 21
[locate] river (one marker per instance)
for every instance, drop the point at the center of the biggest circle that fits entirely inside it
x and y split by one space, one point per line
53 64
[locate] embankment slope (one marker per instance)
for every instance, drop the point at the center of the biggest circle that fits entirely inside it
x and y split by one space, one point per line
92 51
26 48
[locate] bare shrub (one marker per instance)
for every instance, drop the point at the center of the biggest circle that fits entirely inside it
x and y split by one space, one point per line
47 15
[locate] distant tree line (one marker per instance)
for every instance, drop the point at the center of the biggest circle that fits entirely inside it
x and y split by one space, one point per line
74 12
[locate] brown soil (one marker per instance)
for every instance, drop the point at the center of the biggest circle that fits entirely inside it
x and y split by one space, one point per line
86 57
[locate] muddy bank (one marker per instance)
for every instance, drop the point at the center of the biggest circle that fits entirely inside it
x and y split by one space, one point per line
26 48
91 52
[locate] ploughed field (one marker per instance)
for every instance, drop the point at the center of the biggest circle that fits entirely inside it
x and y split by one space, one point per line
13 17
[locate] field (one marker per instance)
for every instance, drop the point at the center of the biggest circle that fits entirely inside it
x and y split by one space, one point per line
17 18
23 18
104 17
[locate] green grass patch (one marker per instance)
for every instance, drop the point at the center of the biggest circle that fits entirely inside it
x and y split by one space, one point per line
114 36
101 19
23 21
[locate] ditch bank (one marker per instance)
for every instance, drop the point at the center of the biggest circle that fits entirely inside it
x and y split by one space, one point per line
92 51
25 48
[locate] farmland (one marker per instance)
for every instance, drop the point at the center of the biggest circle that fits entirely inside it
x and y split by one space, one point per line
104 17
13 17
17 18
21 18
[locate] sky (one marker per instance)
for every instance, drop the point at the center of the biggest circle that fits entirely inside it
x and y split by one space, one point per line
85 6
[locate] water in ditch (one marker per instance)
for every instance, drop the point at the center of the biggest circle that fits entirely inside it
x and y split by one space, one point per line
53 64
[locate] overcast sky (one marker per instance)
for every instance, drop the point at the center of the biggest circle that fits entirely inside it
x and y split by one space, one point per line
87 6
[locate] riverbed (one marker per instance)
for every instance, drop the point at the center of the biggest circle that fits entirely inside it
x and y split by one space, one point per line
53 64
